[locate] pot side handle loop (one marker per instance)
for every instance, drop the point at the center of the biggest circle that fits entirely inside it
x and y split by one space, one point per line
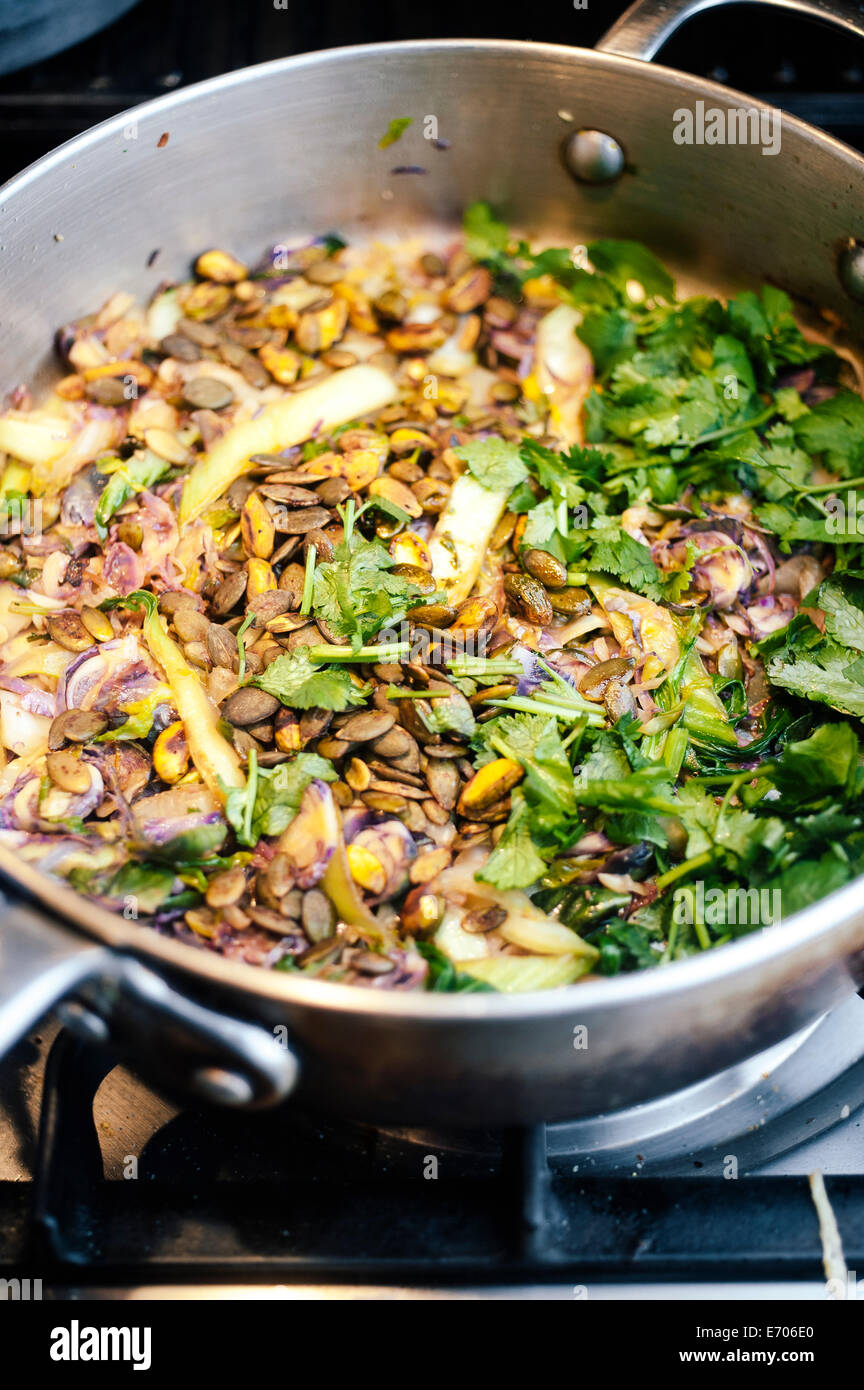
643 29
111 997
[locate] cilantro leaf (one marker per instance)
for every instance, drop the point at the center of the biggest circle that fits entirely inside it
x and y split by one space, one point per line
395 130
835 430
356 594
515 861
616 552
301 684
630 260
136 475
271 797
495 463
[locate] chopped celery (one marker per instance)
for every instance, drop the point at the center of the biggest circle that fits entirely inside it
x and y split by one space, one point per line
520 974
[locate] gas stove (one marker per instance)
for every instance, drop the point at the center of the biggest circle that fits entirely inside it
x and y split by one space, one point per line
110 1190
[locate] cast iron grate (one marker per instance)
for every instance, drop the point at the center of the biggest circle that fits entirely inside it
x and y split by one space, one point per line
284 1198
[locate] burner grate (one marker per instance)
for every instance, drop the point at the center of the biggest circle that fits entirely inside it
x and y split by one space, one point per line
507 1217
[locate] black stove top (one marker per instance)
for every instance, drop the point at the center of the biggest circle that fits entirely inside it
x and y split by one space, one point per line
108 1189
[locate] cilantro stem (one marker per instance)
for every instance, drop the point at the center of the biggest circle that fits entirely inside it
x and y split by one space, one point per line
308 580
241 646
394 693
330 651
251 793
681 870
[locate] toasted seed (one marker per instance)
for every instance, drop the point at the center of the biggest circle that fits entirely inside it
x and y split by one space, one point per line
395 744
165 445
469 291
432 264
357 775
291 583
392 490
413 574
324 273
229 593
221 267
76 726
366 725
593 684
291 904
313 722
428 864
190 625
197 654
67 771
221 645
618 700
249 705
370 963
68 631
432 615
269 919
317 916
333 748
479 923
207 393
236 917
171 753
286 731
333 491
573 601
180 346
260 577
271 604
475 615
297 521
436 812
432 494
531 597
173 599
130 533
342 794
280 876
444 783
225 889
546 568
257 528
492 782
323 545
97 624
422 911
107 390
198 332
383 801
288 492
504 392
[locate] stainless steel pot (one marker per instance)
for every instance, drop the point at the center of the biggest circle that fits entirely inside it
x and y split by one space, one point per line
275 153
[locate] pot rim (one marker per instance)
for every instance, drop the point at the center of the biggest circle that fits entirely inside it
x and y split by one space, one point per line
812 927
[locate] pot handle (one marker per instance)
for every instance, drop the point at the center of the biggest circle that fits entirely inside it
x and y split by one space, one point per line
643 29
111 997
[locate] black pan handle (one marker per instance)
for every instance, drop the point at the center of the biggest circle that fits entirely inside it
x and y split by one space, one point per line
111 997
643 29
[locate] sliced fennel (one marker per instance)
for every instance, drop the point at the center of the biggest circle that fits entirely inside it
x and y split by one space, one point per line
461 538
520 974
344 396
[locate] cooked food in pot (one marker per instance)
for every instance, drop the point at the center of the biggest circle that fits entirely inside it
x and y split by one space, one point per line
453 618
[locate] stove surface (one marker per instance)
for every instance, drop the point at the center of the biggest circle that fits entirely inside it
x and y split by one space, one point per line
110 1190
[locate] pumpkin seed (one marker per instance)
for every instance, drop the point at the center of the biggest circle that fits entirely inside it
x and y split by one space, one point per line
207 393
68 772
68 631
249 705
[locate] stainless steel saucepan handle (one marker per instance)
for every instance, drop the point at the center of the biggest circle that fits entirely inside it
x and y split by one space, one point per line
643 29
111 997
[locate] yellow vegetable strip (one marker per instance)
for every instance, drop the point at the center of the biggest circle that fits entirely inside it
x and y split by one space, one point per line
211 753
344 396
461 538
